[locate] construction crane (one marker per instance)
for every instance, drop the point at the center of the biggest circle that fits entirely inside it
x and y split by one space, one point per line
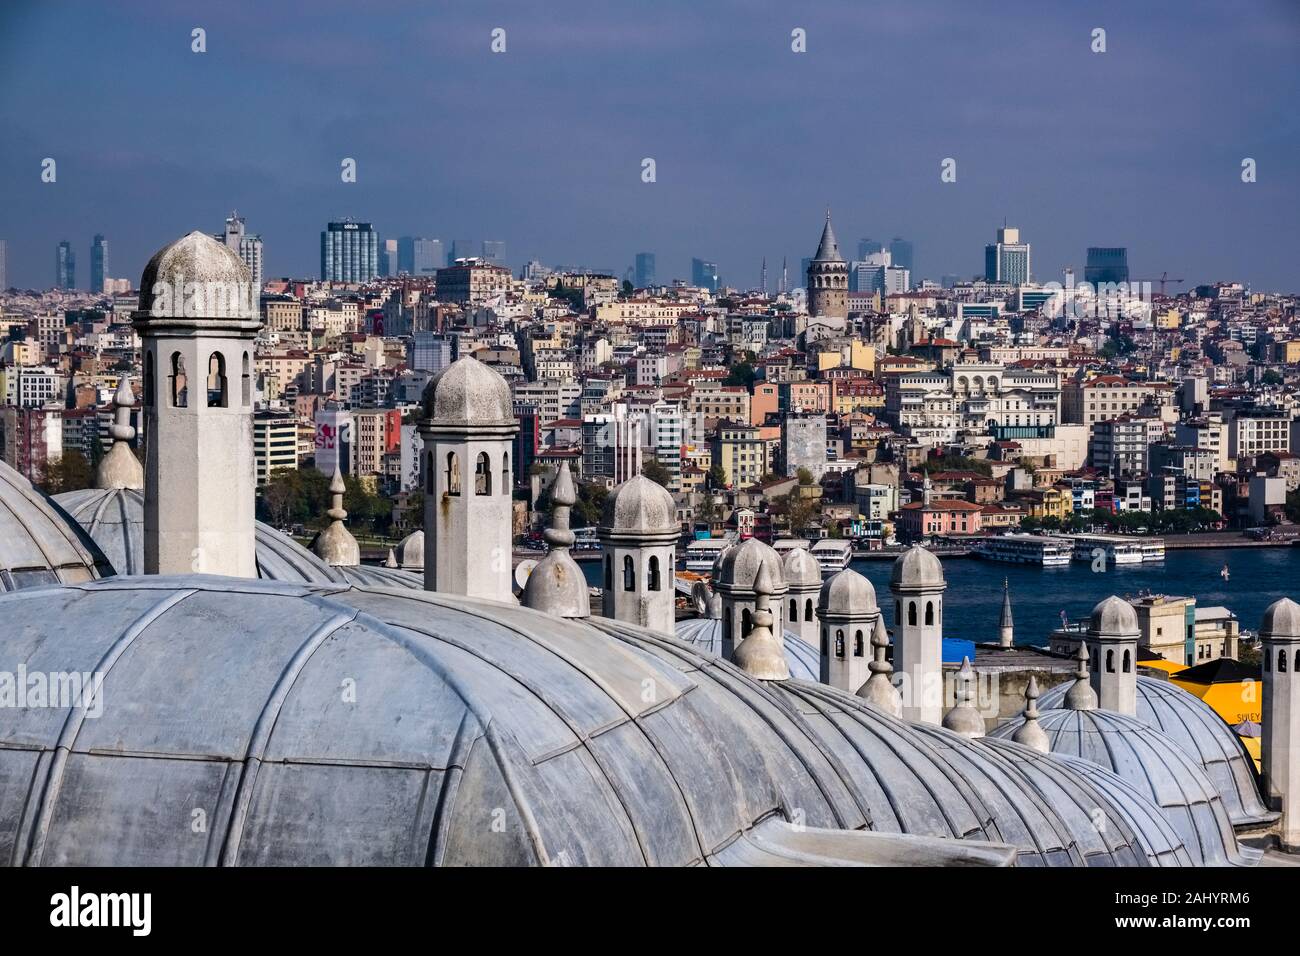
1164 277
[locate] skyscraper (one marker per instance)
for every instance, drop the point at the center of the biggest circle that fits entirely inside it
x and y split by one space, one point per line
494 250
704 274
900 250
389 258
869 247
1106 264
1007 260
4 278
418 256
247 245
98 262
645 270
349 252
65 267
460 249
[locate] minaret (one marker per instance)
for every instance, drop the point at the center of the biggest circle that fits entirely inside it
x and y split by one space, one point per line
785 278
467 429
761 654
197 321
879 689
1031 733
556 585
1113 633
964 719
1081 696
918 584
120 468
762 276
335 545
848 612
1280 748
638 534
828 277
803 579
1006 627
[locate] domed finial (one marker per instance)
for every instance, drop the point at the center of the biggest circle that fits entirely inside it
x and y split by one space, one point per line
761 654
1081 696
879 689
556 585
964 719
335 545
1031 732
120 468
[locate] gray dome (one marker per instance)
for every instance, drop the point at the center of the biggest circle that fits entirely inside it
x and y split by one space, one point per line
114 519
1203 735
640 508
1282 618
38 545
410 551
1113 615
214 270
801 569
738 568
917 568
847 593
705 633
467 392
1158 768
456 714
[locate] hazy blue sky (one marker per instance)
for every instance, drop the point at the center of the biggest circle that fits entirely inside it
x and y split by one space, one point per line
541 146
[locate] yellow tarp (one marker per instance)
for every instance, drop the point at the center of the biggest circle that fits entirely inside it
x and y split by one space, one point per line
1234 701
1169 667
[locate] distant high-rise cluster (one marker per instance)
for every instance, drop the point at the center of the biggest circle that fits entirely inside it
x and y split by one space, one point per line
349 252
1007 260
98 262
65 266
704 274
645 270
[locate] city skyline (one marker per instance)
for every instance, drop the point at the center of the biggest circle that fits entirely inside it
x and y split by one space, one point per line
1036 135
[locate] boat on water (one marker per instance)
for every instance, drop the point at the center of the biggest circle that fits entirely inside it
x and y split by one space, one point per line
1117 549
1043 550
701 554
832 554
784 546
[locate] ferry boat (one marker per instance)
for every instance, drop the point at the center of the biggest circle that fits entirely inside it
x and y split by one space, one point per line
701 554
833 554
1037 549
1117 548
784 546
1153 549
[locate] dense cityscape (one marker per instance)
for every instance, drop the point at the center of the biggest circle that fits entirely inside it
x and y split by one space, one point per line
331 540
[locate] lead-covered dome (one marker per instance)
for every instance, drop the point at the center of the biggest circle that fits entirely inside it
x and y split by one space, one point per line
1113 615
467 392
737 569
801 569
197 277
845 593
1203 735
917 568
1157 767
705 633
38 545
639 509
1282 617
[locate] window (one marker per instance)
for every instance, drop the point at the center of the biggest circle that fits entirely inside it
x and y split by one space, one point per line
453 473
794 610
839 643
217 381
653 573
609 572
505 473
911 613
857 644
1281 662
1110 662
1128 663
482 475
746 622
179 386
807 611
246 383
929 613
629 574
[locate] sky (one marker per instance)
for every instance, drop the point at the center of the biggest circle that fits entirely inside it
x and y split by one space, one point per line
542 146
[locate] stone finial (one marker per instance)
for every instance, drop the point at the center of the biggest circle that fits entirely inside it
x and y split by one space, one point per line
556 585
964 719
761 654
879 689
391 560
335 545
1081 696
1031 732
120 468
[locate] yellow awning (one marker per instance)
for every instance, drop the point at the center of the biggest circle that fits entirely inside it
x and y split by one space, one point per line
1169 667
1234 701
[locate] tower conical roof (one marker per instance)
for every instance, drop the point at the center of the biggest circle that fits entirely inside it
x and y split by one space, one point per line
828 250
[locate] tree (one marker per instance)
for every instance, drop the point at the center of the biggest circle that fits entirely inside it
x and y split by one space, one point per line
72 472
627 287
1272 377
1030 523
656 472
804 475
716 477
742 373
955 463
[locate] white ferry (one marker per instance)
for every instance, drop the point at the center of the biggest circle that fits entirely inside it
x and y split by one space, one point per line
833 554
1037 549
701 554
784 546
1153 549
1116 548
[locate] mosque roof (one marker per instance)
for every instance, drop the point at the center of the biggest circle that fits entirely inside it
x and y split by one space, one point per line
38 545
